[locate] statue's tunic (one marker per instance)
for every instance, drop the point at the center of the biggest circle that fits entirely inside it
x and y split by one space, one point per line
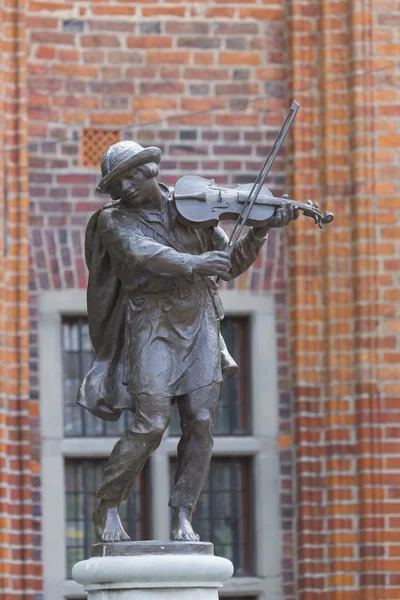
153 322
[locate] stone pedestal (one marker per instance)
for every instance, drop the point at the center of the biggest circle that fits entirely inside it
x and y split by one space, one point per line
147 570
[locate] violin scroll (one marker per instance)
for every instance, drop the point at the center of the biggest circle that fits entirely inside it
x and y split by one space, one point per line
313 211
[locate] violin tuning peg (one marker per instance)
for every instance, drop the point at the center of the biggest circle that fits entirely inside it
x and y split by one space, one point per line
316 205
309 202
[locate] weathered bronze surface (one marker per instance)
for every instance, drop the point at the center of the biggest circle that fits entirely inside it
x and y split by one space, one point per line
151 547
154 320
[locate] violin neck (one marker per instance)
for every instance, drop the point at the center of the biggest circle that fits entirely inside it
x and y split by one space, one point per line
272 201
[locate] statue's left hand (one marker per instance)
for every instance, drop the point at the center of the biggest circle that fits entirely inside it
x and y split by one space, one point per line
284 214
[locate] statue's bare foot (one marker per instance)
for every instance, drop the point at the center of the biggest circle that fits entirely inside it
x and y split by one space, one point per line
108 524
182 530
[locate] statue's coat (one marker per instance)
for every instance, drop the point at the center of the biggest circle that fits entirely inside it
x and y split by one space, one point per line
154 324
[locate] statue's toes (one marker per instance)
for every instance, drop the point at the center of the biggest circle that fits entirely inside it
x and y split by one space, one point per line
177 536
106 536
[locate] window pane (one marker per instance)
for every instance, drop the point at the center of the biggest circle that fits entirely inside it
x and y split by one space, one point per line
232 416
77 359
82 477
224 510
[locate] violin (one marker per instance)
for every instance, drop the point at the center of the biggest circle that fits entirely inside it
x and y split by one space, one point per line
200 203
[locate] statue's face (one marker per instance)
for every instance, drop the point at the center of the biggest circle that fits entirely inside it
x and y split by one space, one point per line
134 188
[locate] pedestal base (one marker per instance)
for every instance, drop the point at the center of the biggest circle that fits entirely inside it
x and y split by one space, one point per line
153 570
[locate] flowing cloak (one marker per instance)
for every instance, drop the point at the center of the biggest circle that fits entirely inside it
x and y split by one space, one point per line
106 301
128 330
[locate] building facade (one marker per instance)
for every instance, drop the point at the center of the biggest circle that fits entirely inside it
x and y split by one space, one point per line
303 491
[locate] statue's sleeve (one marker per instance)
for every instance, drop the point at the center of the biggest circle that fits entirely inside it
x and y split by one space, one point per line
129 246
244 253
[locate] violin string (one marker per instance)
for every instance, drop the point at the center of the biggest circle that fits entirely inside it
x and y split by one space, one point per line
176 118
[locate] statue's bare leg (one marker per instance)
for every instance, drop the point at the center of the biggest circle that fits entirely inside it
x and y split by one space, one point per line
108 523
197 413
181 529
127 459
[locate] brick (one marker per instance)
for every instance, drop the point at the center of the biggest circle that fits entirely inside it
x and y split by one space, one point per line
111 11
206 73
150 102
220 12
100 41
261 14
168 57
389 140
202 104
187 27
64 55
203 43
45 52
36 7
148 41
98 118
120 57
75 71
155 11
239 58
161 88
50 37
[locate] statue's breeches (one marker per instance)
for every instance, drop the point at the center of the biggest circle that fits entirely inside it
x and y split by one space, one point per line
142 438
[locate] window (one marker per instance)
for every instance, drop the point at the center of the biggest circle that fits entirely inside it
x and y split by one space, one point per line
244 476
82 477
233 410
223 513
77 358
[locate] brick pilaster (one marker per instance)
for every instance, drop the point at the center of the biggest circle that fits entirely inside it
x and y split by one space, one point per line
342 287
17 577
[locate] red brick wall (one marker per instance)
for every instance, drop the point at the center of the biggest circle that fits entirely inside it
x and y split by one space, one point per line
184 77
344 296
138 67
18 573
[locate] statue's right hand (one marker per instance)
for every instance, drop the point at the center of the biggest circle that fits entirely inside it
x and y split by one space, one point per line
212 263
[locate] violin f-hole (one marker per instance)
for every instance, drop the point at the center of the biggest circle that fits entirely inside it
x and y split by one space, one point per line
219 207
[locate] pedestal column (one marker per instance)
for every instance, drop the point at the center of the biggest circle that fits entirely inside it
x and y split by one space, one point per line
147 570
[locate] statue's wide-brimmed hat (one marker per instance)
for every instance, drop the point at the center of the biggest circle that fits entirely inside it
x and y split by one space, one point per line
122 157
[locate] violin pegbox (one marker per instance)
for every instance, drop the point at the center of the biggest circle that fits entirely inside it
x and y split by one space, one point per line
312 210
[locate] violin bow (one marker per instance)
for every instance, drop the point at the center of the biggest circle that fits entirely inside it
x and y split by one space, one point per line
255 190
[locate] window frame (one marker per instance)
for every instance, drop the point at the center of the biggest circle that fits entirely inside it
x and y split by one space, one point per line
261 445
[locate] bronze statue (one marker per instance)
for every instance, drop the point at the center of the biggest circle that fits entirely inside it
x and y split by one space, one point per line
154 320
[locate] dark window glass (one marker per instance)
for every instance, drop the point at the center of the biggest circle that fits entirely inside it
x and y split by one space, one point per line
234 403
233 409
224 509
82 477
77 359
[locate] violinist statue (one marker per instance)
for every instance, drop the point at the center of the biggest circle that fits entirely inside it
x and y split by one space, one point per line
154 320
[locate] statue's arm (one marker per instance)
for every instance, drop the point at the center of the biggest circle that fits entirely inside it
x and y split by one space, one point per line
245 251
131 247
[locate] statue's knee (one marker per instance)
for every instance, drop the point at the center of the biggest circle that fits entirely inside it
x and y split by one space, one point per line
158 427
151 429
204 421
